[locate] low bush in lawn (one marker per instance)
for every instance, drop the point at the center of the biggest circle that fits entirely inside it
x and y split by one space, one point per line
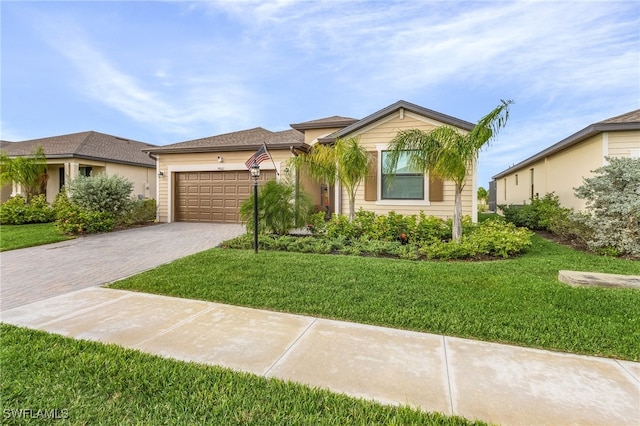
139 212
75 215
16 211
541 214
413 237
71 218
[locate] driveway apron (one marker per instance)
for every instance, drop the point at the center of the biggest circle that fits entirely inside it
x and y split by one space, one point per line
37 273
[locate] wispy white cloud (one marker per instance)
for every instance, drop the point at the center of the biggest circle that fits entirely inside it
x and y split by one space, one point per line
545 49
191 69
192 101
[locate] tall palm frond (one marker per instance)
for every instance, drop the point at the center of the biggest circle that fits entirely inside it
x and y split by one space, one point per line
447 152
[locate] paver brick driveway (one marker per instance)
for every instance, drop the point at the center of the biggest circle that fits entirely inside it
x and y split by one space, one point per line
37 273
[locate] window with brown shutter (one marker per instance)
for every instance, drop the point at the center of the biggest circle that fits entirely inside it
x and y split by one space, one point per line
371 182
405 183
436 188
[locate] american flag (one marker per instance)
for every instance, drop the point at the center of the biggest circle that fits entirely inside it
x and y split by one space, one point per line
260 155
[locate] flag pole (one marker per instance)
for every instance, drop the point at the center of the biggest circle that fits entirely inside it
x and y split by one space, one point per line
271 158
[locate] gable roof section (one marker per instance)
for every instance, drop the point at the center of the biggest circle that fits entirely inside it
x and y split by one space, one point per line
425 112
87 145
627 121
325 123
244 140
629 117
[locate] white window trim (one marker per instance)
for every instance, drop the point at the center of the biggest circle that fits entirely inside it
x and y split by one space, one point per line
381 202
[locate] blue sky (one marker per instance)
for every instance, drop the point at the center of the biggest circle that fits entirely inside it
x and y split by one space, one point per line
169 71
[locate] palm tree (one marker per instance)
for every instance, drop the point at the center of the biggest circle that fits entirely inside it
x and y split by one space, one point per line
346 161
29 172
483 196
447 152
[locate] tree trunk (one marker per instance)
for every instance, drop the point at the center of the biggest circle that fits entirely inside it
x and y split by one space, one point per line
456 227
352 207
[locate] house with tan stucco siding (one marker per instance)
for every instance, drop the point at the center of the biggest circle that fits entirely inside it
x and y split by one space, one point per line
206 179
88 153
563 166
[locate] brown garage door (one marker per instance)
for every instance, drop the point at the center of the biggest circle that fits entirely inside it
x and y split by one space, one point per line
213 196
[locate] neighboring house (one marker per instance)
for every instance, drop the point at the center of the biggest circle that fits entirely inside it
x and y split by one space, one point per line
89 153
562 167
206 179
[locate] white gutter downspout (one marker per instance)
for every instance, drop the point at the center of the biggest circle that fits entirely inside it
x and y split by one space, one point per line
157 177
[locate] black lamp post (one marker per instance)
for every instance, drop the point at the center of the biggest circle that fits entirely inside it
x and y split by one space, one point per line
255 174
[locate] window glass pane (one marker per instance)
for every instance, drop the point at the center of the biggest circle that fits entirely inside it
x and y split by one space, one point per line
403 187
403 163
406 184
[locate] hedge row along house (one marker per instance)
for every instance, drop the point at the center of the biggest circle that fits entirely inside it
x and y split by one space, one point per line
562 167
206 180
87 153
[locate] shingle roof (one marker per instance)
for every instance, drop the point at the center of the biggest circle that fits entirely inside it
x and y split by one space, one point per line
251 139
244 140
88 145
324 123
443 118
629 117
627 121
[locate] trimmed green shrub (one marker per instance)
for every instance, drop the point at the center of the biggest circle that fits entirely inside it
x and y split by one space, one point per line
340 226
317 224
540 214
140 212
16 211
101 193
496 239
39 211
431 228
73 219
13 211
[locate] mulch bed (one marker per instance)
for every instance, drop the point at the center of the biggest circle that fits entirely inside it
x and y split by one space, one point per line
574 243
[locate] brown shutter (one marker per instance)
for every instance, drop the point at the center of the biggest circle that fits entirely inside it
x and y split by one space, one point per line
436 188
371 182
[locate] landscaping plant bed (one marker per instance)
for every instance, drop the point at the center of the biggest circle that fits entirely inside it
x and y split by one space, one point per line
414 237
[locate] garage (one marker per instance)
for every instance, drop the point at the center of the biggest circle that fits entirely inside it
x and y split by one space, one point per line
213 196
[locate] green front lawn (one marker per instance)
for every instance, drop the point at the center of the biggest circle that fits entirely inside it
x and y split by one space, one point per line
21 236
90 383
517 301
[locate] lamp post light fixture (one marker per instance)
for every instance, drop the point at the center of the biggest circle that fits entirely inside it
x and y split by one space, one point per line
255 174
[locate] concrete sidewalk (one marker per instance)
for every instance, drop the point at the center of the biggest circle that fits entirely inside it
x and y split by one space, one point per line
496 383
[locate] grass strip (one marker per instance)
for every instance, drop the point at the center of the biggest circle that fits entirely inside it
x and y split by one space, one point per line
20 236
517 301
91 383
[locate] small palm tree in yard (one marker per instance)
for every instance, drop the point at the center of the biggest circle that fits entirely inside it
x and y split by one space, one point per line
483 197
346 162
447 152
29 172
